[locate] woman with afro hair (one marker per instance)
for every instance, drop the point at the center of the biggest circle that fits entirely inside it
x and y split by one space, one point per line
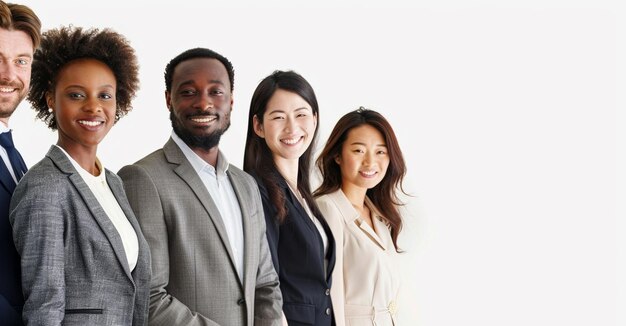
84 259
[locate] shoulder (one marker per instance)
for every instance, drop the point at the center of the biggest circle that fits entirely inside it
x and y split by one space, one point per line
43 174
329 200
330 206
150 164
240 176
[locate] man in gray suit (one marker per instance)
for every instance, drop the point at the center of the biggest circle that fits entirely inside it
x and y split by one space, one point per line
202 217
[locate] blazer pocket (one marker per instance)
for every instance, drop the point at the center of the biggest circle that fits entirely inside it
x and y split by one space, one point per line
300 312
88 311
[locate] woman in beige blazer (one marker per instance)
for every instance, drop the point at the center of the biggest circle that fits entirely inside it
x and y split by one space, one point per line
362 169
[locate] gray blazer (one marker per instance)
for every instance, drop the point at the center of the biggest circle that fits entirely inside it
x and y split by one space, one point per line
194 279
74 267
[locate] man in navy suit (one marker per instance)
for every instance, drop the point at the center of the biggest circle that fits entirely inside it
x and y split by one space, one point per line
20 32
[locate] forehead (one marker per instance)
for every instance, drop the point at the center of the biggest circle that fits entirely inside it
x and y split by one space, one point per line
365 134
200 69
285 100
15 43
86 71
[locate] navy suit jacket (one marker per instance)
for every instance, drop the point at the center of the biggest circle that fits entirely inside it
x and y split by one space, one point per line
298 257
11 298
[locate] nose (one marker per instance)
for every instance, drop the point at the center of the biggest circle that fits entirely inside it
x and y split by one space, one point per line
204 102
7 71
368 158
290 125
92 105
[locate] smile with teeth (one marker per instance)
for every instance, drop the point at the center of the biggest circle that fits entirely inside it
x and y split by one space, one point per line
291 141
203 119
7 89
368 174
90 123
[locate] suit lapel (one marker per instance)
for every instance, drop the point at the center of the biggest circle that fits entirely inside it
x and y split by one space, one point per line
186 172
107 227
249 244
352 217
118 192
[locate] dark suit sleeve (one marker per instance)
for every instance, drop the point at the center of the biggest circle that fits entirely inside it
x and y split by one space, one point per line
38 226
145 201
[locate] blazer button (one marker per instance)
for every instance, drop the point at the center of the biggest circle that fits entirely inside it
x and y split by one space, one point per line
241 301
327 292
328 311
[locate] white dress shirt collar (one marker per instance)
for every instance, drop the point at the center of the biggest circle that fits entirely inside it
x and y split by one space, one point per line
197 162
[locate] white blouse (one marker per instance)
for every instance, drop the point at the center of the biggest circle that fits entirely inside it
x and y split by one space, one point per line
100 189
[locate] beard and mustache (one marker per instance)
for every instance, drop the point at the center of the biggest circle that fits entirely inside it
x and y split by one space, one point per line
204 142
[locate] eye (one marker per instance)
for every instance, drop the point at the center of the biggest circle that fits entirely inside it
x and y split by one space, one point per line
22 62
381 152
76 96
358 150
106 96
278 117
217 92
187 92
299 115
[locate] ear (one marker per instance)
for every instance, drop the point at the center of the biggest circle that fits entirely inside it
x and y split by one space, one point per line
258 127
315 121
168 100
50 100
338 160
232 101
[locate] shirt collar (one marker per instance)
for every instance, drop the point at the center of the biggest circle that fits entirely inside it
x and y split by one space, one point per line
4 127
197 162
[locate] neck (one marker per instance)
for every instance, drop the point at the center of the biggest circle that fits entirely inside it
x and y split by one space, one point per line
208 155
288 169
84 156
356 195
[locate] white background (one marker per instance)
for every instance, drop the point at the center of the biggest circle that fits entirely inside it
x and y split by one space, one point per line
510 115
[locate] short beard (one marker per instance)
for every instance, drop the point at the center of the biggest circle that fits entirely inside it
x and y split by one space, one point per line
205 142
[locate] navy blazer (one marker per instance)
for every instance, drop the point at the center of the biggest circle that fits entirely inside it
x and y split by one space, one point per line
11 298
298 257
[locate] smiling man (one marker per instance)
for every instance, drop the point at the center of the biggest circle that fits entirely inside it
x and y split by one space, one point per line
20 32
203 218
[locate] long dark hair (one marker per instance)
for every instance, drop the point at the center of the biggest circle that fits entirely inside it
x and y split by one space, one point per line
258 158
383 195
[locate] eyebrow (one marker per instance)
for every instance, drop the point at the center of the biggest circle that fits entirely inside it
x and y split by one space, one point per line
83 87
296 110
191 81
363 144
20 55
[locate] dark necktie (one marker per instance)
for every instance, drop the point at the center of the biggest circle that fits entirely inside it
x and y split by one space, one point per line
6 140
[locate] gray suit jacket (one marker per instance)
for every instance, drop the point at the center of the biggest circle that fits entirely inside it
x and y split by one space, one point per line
194 280
74 267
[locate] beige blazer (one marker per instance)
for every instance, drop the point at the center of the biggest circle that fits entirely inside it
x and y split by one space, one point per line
194 280
365 283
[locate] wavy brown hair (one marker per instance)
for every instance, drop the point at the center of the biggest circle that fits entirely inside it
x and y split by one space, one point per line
384 195
63 45
20 18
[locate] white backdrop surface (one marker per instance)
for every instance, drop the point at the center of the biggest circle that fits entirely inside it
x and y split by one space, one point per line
510 115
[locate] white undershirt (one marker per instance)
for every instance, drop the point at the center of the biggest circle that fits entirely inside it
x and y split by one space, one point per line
221 190
100 189
3 152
